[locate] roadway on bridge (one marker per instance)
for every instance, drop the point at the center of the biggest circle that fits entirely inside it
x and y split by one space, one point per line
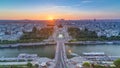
60 59
60 56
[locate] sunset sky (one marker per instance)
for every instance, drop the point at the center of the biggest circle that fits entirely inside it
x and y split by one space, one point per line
54 9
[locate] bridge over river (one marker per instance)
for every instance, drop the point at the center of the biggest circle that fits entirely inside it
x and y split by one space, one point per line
60 36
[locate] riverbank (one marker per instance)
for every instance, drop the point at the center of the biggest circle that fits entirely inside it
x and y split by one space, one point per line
26 44
92 42
24 59
54 43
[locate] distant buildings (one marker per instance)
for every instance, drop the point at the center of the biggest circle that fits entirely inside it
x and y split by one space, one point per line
13 30
106 28
108 33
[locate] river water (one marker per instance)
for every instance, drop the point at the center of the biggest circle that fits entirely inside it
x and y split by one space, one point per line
111 50
49 51
41 51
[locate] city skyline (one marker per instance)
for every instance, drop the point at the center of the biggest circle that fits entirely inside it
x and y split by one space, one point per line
55 9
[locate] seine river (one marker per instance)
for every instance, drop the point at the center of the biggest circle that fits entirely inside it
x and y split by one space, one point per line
41 51
111 50
49 51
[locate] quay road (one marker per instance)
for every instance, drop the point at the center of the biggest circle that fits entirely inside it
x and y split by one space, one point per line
60 56
26 44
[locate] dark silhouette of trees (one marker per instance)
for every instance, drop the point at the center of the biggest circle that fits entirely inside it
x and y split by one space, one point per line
29 65
117 63
82 34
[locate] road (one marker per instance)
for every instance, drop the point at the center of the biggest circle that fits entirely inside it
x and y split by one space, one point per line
60 56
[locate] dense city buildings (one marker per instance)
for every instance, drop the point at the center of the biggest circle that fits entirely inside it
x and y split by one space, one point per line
13 30
59 33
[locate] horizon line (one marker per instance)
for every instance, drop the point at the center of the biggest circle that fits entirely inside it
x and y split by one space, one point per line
69 19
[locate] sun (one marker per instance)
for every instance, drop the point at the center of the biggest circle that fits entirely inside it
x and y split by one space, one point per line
50 18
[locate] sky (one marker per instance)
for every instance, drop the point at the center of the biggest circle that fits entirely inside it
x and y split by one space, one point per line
57 9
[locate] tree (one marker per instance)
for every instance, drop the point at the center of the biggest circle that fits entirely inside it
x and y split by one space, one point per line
34 30
29 65
86 29
86 65
36 65
117 63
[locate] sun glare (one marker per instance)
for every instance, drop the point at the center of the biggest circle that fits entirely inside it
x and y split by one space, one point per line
50 18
